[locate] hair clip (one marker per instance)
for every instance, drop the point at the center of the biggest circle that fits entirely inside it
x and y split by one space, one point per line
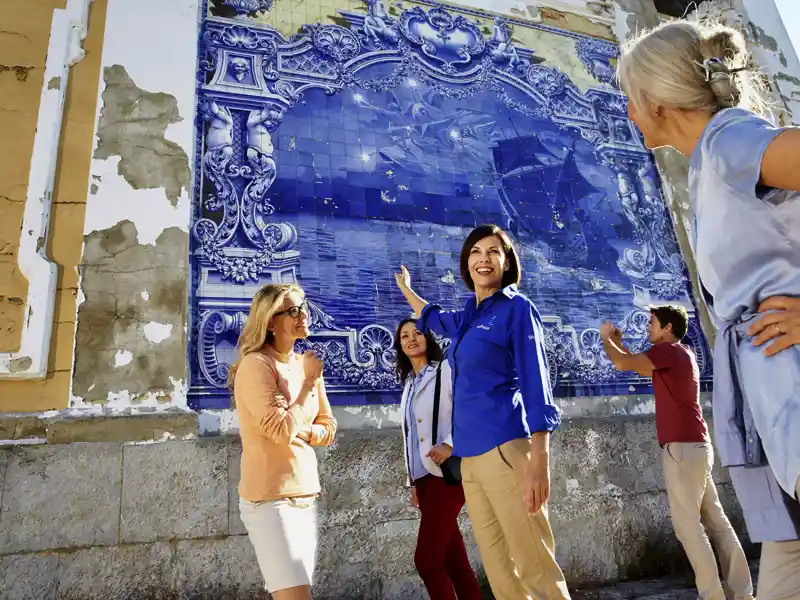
710 75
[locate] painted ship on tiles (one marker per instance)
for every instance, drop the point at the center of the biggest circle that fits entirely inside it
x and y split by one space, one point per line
540 193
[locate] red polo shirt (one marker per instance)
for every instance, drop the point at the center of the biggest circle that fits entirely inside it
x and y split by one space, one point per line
676 384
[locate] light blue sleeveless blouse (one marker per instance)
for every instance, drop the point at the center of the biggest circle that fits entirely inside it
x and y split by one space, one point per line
747 249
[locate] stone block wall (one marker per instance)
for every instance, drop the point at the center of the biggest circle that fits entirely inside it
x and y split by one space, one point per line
150 520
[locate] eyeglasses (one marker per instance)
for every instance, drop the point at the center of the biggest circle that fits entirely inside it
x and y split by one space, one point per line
294 311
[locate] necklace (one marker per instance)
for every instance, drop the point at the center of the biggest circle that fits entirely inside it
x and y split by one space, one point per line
283 357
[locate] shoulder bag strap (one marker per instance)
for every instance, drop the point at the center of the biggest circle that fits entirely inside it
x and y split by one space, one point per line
436 395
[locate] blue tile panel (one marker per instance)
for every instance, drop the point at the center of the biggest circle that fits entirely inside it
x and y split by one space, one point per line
333 157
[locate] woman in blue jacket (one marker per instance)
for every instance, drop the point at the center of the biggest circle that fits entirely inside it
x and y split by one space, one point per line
502 416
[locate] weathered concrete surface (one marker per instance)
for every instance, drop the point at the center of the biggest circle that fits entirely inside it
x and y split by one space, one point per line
61 497
668 588
170 424
3 466
28 576
174 490
100 424
224 568
633 16
29 426
161 519
138 571
235 525
7 426
128 286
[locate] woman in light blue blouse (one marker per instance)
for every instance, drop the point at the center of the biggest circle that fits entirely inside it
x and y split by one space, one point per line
690 88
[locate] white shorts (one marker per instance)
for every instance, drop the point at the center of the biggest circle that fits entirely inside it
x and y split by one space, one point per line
284 537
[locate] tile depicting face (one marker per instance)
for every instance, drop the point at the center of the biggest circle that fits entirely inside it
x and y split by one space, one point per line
379 135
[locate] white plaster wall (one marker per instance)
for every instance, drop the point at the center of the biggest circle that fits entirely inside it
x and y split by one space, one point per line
156 42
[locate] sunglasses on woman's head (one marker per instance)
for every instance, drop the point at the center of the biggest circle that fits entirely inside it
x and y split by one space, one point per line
294 311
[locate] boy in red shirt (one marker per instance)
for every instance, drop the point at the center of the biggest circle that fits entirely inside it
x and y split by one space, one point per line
687 456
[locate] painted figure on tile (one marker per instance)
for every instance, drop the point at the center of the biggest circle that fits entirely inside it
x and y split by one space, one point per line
219 152
240 69
377 23
471 143
259 142
260 156
428 134
503 45
220 129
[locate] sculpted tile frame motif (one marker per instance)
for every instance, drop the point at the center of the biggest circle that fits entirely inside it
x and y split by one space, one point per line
246 231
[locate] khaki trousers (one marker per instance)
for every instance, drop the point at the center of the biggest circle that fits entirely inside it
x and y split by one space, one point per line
697 514
517 549
779 572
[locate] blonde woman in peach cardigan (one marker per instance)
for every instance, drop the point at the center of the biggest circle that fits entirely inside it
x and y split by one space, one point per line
283 412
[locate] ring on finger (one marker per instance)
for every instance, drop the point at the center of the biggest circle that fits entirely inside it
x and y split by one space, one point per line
778 328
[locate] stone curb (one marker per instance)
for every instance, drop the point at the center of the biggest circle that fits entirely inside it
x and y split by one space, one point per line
98 425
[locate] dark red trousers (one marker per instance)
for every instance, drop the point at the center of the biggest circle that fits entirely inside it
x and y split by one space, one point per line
441 557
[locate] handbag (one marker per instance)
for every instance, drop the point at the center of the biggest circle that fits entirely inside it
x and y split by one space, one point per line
451 468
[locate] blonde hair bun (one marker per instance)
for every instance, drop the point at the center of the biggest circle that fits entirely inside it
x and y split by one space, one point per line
691 66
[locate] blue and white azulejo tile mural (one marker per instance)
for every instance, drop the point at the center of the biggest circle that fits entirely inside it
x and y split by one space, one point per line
380 136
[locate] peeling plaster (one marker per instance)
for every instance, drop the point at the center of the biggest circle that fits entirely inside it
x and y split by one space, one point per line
133 125
19 70
121 358
369 418
598 11
507 7
632 16
772 49
54 83
21 364
24 442
135 269
116 270
157 332
764 40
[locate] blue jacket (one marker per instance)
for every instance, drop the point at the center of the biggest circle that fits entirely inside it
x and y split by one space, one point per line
501 385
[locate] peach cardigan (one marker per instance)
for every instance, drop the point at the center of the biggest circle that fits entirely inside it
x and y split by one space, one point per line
275 462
